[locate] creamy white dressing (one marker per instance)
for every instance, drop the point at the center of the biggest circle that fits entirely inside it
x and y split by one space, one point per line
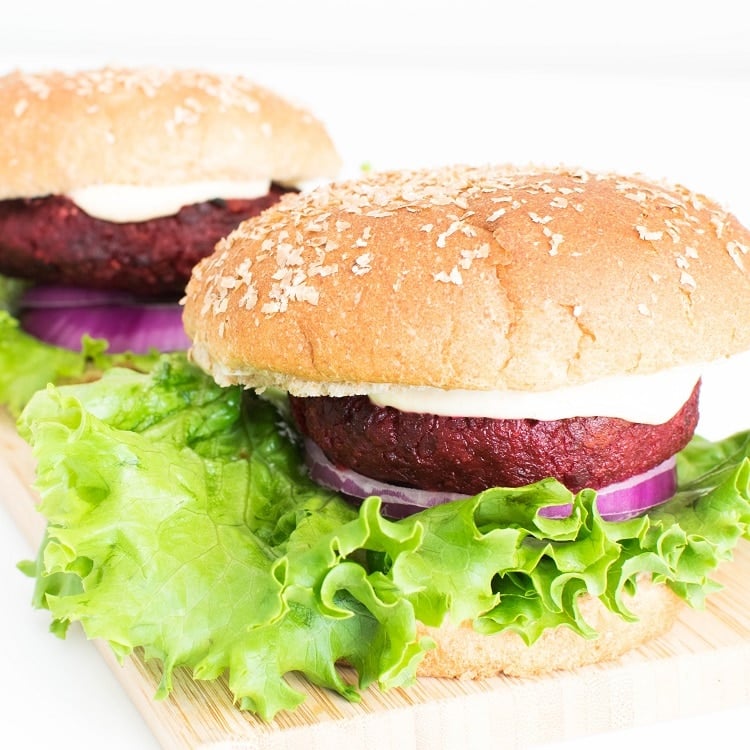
122 203
648 399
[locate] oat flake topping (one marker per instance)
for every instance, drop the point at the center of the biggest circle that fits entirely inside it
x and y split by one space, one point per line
321 233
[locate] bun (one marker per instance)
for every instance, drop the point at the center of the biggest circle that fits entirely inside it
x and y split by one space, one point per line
486 278
151 127
462 652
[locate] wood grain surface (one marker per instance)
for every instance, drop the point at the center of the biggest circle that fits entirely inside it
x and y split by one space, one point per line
702 665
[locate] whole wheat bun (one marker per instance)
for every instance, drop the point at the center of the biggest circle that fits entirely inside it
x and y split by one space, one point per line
462 652
62 131
485 278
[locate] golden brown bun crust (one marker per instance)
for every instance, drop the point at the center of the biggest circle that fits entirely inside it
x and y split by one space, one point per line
462 652
480 278
63 131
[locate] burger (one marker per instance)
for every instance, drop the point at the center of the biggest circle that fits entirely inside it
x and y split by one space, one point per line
434 423
115 182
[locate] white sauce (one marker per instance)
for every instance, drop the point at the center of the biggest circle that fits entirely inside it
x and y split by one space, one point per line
648 399
122 203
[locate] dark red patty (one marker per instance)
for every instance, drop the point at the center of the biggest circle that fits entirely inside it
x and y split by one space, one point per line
51 241
468 455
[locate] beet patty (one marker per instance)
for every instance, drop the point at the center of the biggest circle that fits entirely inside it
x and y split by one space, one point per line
50 240
470 454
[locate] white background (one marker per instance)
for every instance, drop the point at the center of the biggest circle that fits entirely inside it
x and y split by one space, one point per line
661 88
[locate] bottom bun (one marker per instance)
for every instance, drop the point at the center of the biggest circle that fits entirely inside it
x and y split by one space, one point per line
461 652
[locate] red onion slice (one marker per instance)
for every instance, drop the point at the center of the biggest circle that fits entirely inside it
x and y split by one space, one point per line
398 502
62 316
617 502
631 497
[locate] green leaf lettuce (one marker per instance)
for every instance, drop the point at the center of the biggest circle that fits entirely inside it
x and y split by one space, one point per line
181 521
28 364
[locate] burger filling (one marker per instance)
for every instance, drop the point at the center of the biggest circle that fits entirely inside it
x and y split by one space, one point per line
447 456
51 240
469 454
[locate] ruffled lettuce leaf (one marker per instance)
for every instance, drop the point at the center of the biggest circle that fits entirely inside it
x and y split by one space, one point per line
181 522
28 364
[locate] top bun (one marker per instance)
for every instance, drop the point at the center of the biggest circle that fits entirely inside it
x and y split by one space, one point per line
65 131
487 278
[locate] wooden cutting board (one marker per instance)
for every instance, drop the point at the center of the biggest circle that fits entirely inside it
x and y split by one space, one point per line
702 665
